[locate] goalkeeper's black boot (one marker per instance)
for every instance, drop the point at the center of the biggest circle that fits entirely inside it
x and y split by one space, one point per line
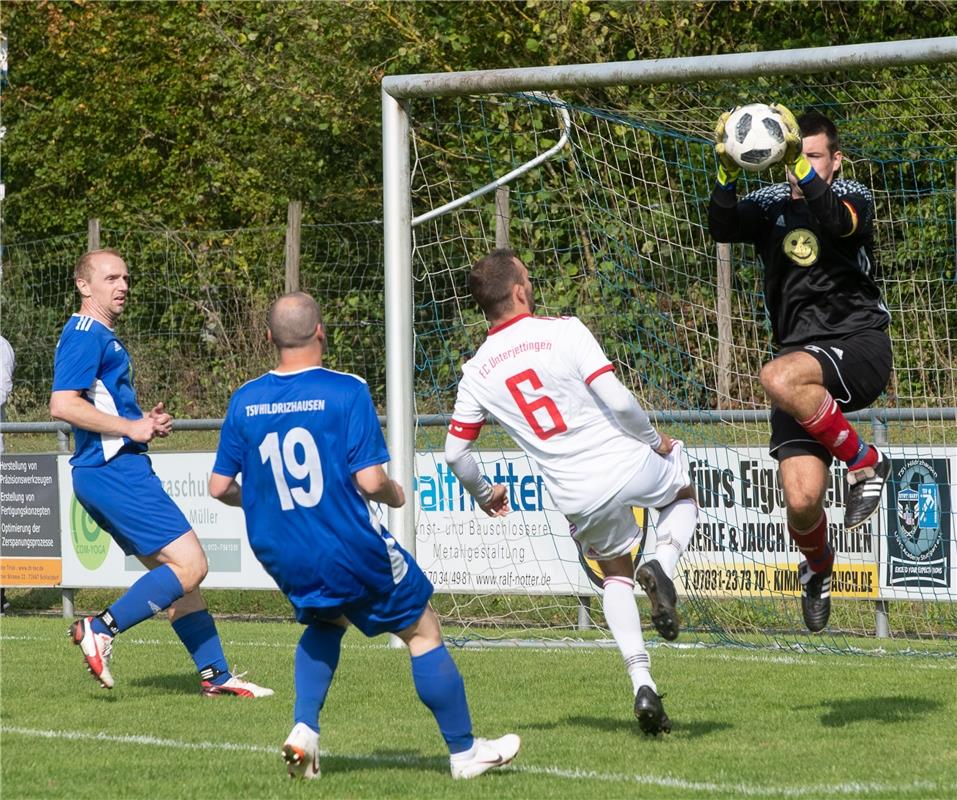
661 592
864 488
651 715
815 595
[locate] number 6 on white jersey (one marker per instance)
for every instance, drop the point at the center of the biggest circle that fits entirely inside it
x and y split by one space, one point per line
309 467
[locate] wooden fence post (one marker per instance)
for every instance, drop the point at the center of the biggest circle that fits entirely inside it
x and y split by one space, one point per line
293 238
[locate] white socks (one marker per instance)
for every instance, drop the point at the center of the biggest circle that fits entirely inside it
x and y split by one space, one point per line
465 755
674 529
621 613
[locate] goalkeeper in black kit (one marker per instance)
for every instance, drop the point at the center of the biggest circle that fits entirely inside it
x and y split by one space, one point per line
814 235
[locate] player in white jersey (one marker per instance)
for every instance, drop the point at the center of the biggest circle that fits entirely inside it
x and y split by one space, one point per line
550 385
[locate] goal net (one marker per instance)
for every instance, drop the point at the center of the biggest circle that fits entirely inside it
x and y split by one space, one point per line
613 228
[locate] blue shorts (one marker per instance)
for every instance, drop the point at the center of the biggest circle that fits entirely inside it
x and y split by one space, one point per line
386 613
127 500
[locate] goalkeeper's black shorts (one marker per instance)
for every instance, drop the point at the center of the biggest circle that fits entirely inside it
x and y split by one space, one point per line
856 369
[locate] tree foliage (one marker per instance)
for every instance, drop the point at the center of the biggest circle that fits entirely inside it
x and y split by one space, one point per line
213 115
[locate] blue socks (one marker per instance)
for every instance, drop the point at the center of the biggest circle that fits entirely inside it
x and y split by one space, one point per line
158 589
198 633
317 657
437 681
440 687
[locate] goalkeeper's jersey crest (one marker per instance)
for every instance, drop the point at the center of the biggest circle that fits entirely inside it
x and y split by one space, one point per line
819 280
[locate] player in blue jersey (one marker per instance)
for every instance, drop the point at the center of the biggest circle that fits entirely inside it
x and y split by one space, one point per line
310 450
114 481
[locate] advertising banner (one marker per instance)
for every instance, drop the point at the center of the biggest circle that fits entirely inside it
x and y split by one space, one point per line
92 558
29 521
461 549
741 547
919 524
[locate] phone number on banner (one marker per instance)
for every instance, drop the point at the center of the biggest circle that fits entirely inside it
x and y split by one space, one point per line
858 580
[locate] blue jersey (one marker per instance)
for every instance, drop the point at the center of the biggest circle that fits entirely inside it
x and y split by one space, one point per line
298 438
91 360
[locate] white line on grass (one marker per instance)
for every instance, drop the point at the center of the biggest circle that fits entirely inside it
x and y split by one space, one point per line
151 741
720 653
663 781
763 658
139 641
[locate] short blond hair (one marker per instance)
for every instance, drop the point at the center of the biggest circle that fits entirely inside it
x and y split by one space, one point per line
85 262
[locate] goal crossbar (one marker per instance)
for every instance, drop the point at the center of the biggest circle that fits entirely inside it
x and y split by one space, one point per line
727 65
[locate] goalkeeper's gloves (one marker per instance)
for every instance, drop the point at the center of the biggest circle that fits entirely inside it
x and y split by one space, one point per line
728 169
794 158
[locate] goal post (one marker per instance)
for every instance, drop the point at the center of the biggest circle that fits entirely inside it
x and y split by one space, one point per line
632 246
397 254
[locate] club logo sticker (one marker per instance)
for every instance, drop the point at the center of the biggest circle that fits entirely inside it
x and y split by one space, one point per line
90 542
802 247
919 523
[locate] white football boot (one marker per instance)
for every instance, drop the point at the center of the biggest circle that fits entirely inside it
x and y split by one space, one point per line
96 648
235 686
486 754
301 752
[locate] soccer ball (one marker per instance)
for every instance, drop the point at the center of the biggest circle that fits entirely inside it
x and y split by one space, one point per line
754 137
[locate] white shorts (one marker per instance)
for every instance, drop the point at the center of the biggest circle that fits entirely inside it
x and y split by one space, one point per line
611 531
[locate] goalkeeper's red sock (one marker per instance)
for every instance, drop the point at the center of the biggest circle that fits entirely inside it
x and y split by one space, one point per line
813 543
830 427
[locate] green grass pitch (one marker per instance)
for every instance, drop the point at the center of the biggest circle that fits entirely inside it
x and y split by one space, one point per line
747 723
